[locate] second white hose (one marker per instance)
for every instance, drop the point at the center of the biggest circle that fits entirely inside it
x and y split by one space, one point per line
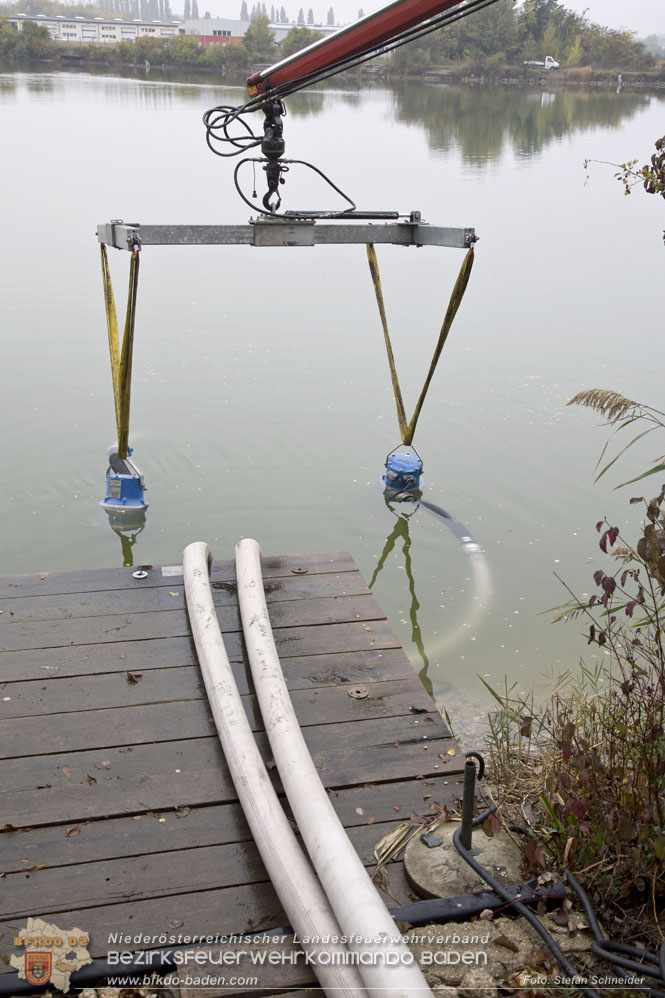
387 966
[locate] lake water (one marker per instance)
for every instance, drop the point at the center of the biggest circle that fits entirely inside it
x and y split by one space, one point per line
262 403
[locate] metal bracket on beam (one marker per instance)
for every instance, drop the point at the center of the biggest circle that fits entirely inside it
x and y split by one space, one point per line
284 232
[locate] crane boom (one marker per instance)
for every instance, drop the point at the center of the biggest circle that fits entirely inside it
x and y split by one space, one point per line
362 37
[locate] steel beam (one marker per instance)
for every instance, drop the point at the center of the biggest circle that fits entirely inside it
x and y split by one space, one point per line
283 232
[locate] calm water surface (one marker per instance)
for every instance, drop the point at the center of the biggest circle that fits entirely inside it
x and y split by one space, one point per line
262 404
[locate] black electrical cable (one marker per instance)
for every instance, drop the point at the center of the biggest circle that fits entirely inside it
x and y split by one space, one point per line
604 948
521 908
306 214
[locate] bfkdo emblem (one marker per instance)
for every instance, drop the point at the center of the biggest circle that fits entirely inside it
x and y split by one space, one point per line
38 967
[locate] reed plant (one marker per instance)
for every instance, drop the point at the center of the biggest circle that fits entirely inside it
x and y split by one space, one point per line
584 770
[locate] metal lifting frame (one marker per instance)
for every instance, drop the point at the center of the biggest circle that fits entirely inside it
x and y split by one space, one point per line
285 232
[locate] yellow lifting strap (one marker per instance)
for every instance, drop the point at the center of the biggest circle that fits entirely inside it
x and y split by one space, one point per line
407 430
121 361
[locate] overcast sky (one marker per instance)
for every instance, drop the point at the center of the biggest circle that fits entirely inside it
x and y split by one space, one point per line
646 17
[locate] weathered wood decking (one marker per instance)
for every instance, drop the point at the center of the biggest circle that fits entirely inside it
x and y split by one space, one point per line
112 779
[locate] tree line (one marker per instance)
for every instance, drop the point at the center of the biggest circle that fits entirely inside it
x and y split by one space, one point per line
278 15
491 40
506 34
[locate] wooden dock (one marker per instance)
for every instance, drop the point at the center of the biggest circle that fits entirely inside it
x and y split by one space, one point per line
118 812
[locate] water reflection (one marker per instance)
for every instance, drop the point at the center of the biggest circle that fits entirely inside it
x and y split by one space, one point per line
39 84
306 103
482 122
403 505
7 83
127 525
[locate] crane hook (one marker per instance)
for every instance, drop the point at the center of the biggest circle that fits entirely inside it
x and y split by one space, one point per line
273 147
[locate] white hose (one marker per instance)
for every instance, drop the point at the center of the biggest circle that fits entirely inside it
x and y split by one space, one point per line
387 966
294 881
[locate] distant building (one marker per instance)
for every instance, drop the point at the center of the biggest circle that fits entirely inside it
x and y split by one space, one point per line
215 30
221 30
97 30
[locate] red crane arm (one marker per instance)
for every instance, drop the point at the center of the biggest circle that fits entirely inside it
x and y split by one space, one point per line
356 39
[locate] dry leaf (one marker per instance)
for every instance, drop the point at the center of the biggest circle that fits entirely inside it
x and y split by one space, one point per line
182 812
451 751
371 821
38 866
174 594
504 941
396 807
73 830
134 677
103 765
175 924
367 627
67 771
91 779
486 913
359 810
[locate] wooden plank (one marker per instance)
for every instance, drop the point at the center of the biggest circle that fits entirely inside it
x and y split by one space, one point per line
310 670
91 580
115 881
291 642
198 775
165 721
61 606
113 764
54 695
129 627
113 838
224 910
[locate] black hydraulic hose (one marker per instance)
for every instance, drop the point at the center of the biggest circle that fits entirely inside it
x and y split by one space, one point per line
521 908
605 948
